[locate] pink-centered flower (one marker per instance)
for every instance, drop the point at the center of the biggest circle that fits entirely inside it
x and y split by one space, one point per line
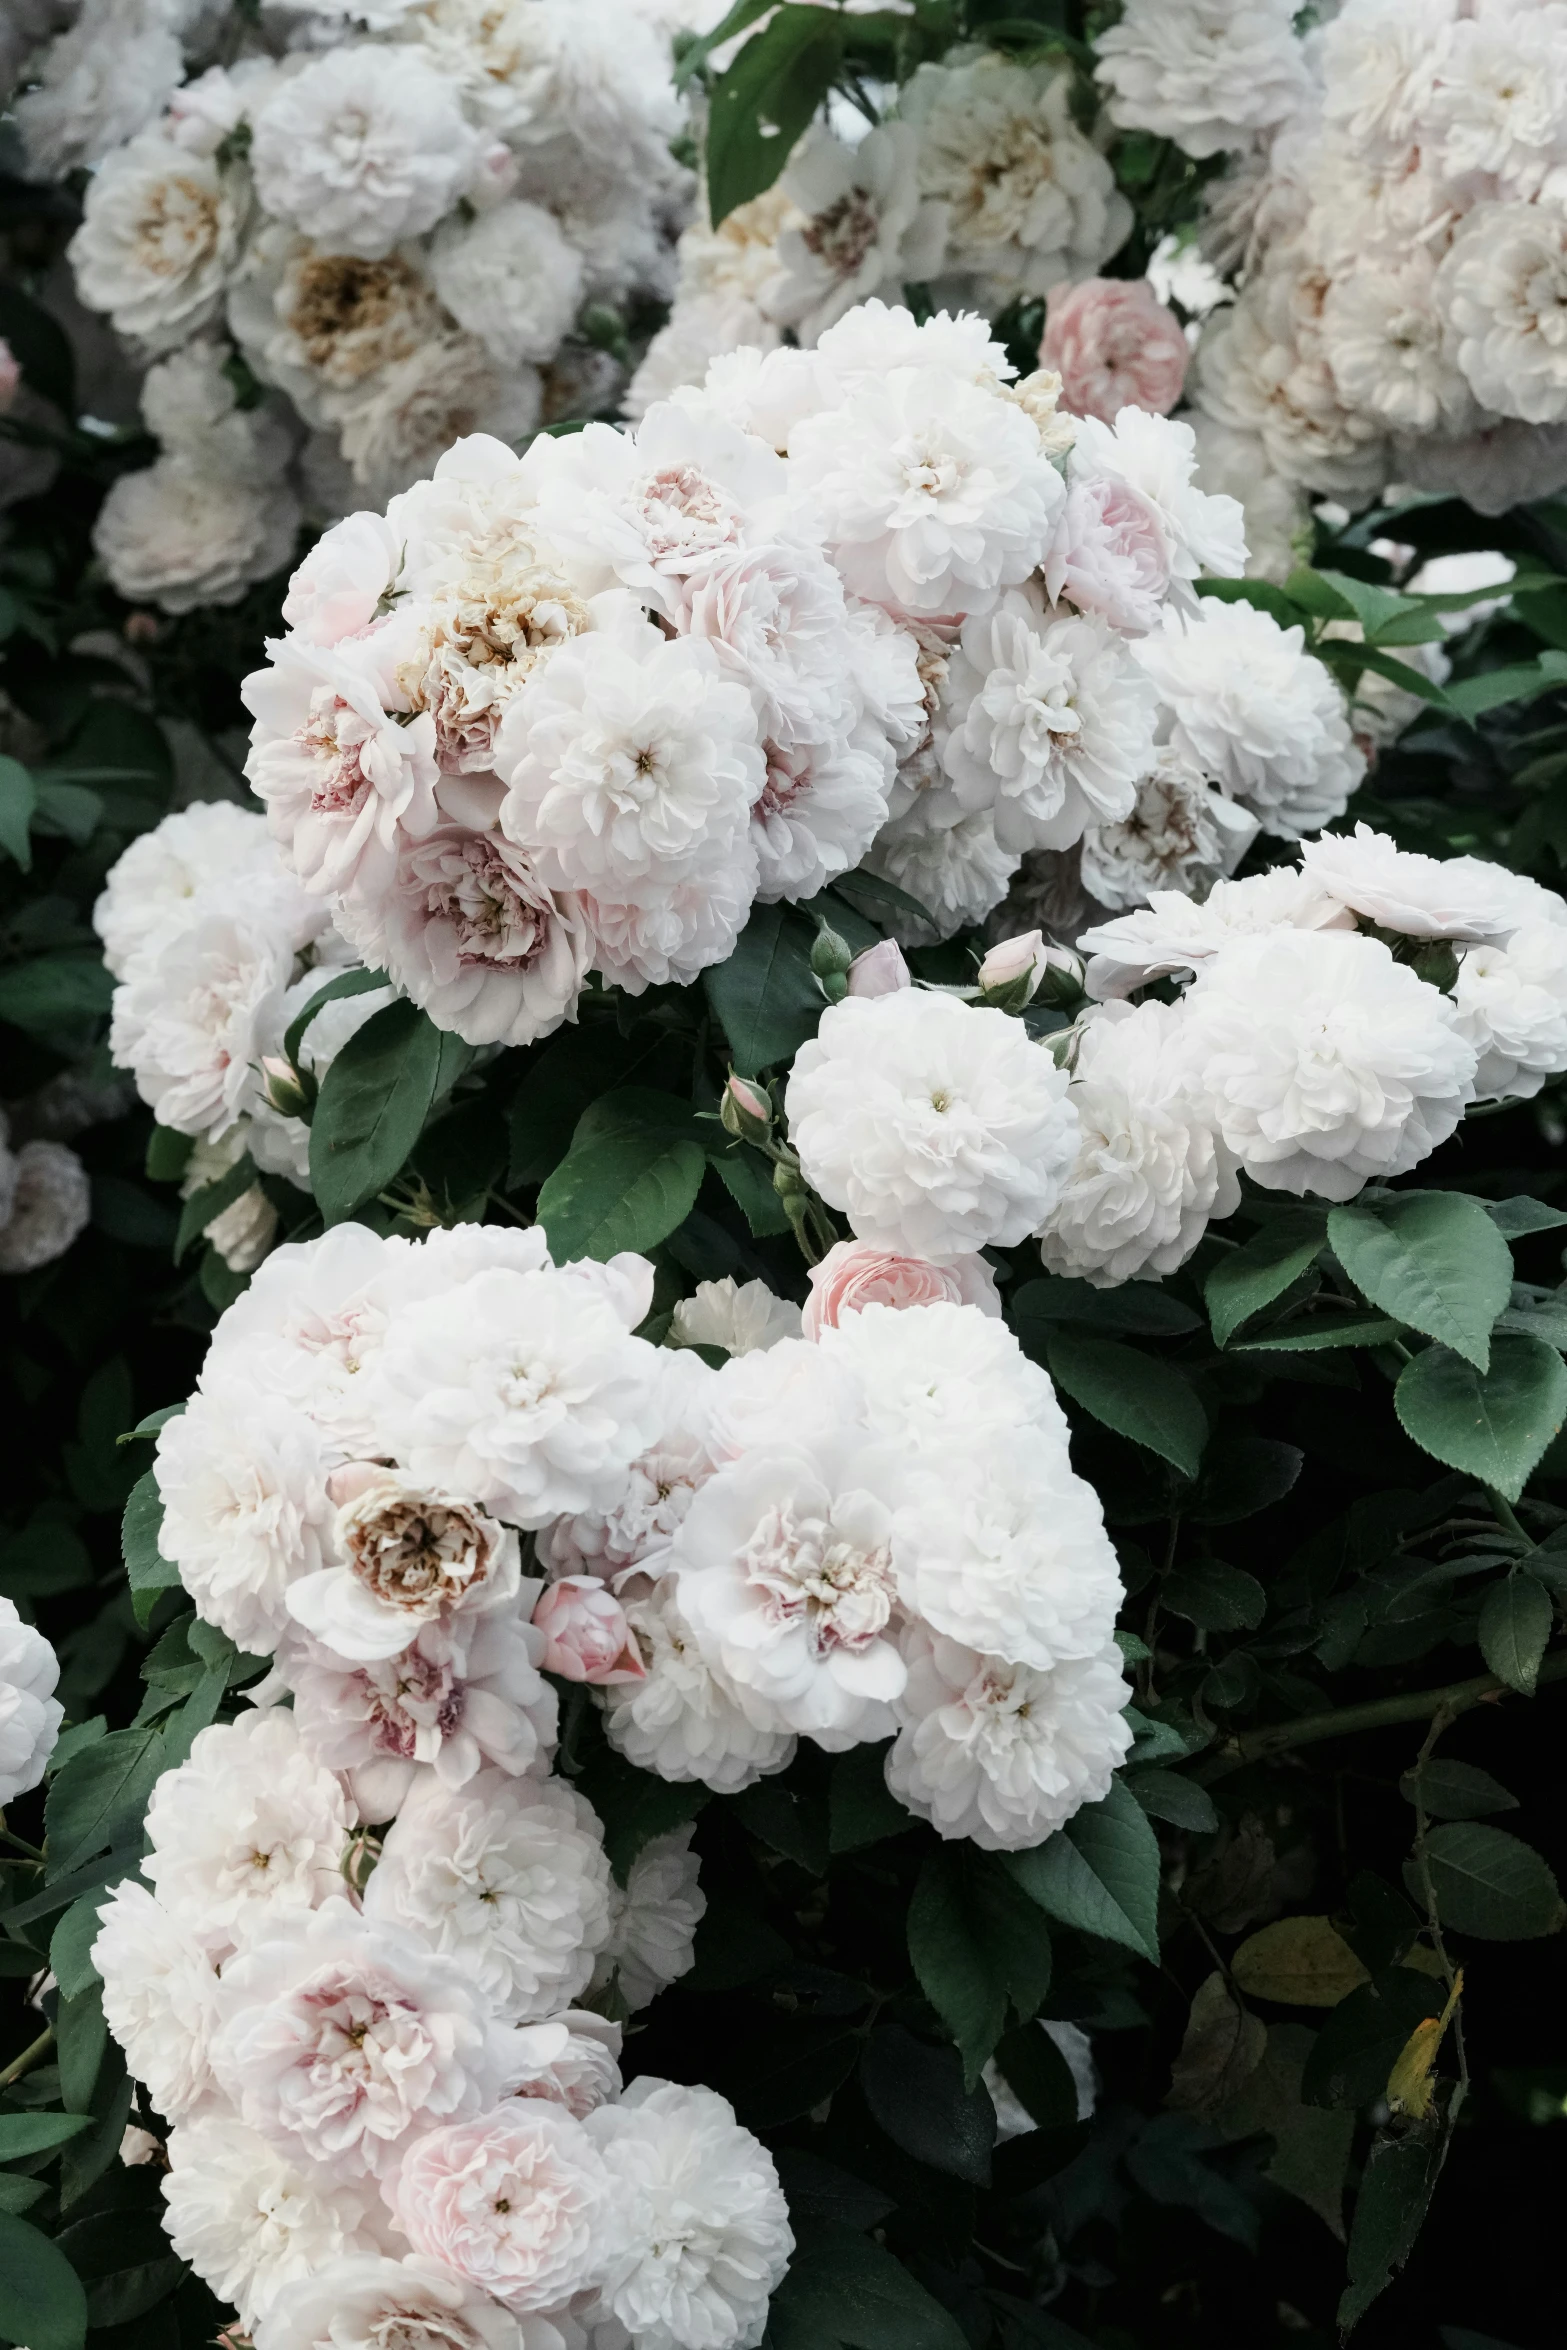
1115 346
586 1635
856 1273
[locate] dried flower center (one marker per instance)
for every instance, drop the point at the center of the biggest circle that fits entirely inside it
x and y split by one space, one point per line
843 234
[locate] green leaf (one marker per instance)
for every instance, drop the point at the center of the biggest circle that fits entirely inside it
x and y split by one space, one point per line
1380 609
1242 1475
71 1943
628 1192
1519 1217
81 2036
36 2133
765 997
861 1807
18 799
69 809
917 2094
1165 1795
373 1103
747 1178
145 1565
1357 2047
1139 1309
168 1154
1216 1597
843 2292
1258 592
346 983
758 109
99 1799
1495 1425
1262 1269
1515 1624
693 54
1149 1401
1099 1873
978 1945
1455 1790
1432 1259
56 999
206 1205
1471 697
635 1807
1488 1884
1395 2190
42 2301
1315 1333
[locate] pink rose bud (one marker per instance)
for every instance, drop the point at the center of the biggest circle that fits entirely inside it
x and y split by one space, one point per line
347 1483
856 1273
10 376
1115 346
745 1110
1012 959
586 1636
881 970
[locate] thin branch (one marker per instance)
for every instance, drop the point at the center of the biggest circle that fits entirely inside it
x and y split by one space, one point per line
28 2058
1379 1714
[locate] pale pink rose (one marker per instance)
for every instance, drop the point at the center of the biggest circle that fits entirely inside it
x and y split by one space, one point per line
881 970
1115 346
336 589
1108 555
1012 959
10 376
856 1273
515 2203
586 1635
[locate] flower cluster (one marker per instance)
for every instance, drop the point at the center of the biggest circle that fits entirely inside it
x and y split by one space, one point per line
45 1201
30 1713
1338 1018
979 184
401 223
216 950
1396 199
370 1976
579 710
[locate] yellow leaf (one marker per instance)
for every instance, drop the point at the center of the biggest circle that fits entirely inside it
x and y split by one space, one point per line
1423 1959
1410 2086
1301 1962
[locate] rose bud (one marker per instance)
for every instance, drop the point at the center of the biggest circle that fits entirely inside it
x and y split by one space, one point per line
745 1110
881 970
586 1636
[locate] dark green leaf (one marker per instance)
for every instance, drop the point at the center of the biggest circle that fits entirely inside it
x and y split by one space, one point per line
1455 1790
1395 2189
99 1799
1217 1597
1433 1259
1515 1624
628 1191
1359 2044
1099 1873
1471 697
346 983
57 999
758 109
35 2133
1493 1426
747 1178
634 1806
18 799
1244 1474
168 1154
765 997
1138 1396
789 1819
145 1565
1488 1884
1165 1795
791 2064
42 2303
71 1943
1259 592
917 2094
862 1808
978 1946
373 1102
40 346
1312 1333
81 2036
206 1205
1262 1269
1137 1310
843 2292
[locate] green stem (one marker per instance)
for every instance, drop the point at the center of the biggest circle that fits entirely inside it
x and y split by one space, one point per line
28 2058
21 1843
1505 1514
1379 1714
